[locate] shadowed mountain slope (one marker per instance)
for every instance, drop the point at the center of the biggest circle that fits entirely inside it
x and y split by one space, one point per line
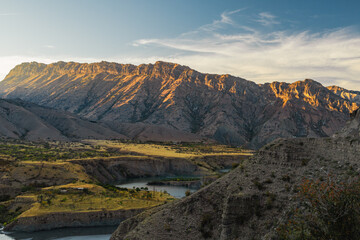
226 108
21 120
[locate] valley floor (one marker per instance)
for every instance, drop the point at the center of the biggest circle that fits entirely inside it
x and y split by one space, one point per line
68 184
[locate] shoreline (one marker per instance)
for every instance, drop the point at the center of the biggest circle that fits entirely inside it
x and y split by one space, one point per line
71 220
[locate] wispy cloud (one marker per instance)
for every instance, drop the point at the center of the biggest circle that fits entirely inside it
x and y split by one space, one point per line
332 57
224 21
267 19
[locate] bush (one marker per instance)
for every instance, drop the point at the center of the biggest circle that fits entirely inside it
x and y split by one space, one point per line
328 210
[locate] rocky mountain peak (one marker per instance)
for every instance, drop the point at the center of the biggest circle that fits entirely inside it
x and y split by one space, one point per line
353 96
310 92
26 69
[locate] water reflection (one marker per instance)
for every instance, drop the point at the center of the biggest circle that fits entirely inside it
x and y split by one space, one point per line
175 191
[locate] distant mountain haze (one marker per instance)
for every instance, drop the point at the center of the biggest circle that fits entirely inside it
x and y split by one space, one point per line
229 109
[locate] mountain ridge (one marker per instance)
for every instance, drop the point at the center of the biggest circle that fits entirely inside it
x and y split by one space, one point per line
229 109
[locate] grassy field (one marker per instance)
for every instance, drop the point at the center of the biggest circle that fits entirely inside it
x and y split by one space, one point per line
185 150
58 151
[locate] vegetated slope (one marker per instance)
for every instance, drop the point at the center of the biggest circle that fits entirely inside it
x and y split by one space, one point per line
21 120
227 108
251 201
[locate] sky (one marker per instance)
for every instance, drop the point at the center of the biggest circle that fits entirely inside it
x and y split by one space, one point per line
259 40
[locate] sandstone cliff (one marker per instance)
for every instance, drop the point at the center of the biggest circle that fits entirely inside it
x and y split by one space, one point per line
227 108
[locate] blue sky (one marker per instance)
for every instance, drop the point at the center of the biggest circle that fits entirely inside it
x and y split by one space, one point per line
262 41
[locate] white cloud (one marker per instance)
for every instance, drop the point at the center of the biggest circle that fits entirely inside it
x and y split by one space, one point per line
331 57
266 19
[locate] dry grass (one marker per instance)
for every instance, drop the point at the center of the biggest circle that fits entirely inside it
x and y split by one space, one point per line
96 198
173 151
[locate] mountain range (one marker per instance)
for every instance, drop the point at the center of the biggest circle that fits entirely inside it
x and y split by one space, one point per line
171 99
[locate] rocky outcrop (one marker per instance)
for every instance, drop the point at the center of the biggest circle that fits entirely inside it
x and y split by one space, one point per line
350 95
238 209
71 219
223 107
352 128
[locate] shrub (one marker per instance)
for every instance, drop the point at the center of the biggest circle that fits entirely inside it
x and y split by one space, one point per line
328 210
258 184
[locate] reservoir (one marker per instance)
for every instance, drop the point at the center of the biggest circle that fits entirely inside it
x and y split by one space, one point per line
175 191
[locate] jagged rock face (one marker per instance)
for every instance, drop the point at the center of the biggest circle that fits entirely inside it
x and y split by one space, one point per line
353 96
352 128
229 109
